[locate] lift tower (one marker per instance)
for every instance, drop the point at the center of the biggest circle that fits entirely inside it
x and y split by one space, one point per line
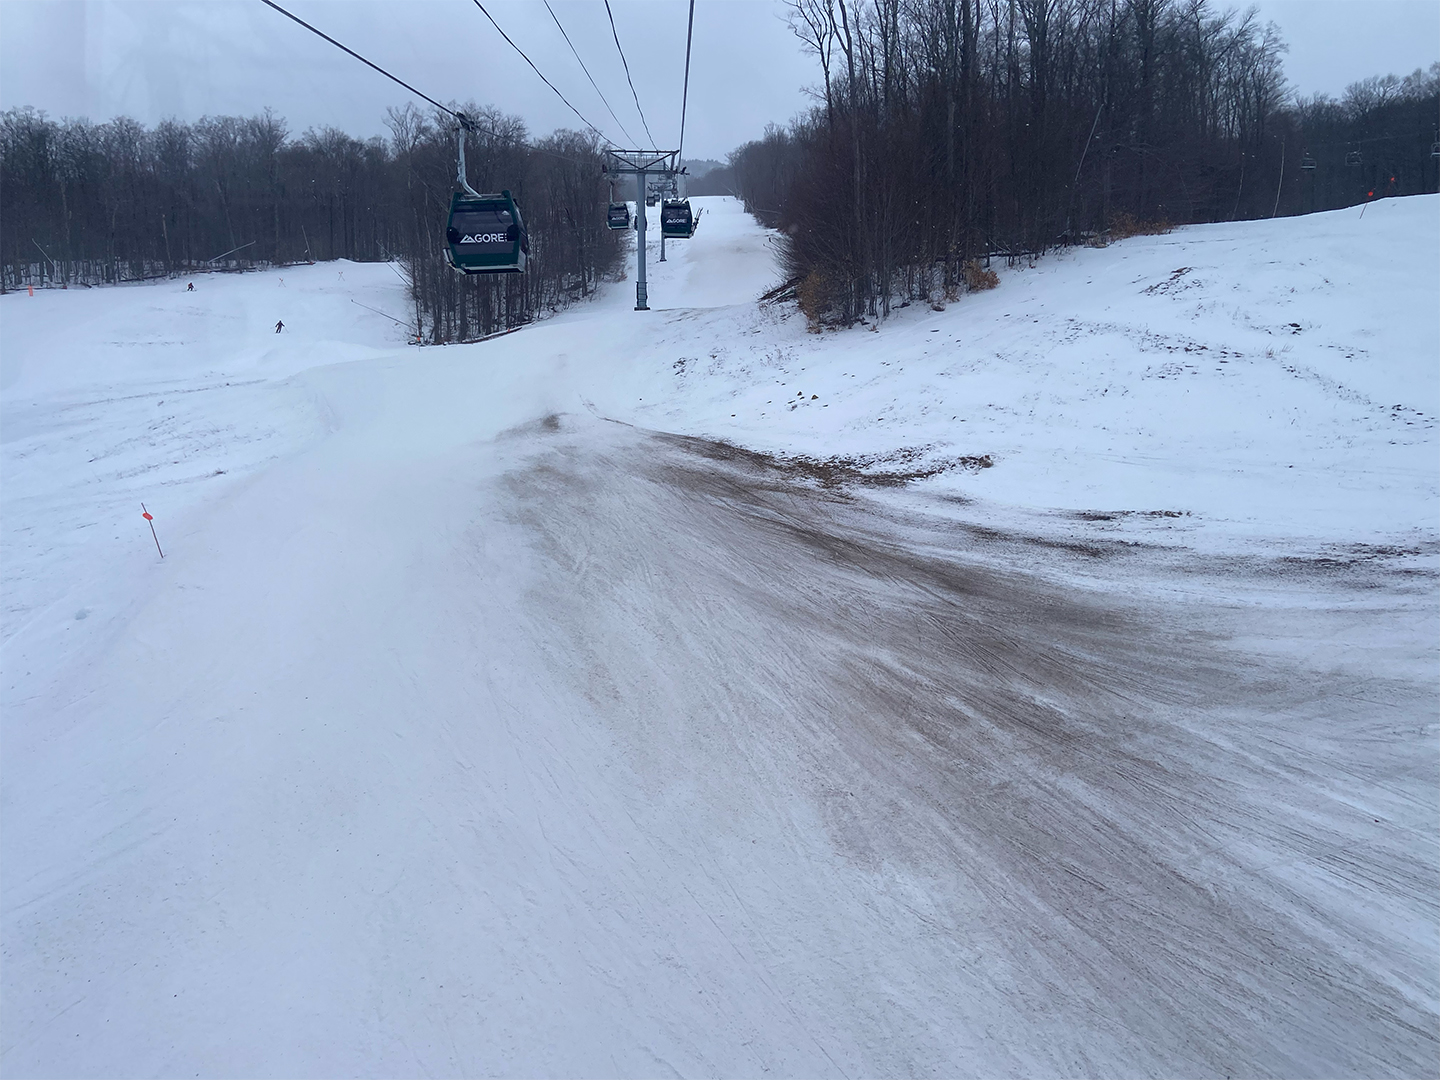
640 164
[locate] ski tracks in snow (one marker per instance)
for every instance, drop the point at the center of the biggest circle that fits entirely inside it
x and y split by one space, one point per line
585 749
1102 829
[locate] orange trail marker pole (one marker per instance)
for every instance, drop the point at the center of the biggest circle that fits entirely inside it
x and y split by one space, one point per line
146 515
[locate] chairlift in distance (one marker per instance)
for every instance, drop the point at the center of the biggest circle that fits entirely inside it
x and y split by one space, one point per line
1435 149
1307 163
485 233
1353 160
677 221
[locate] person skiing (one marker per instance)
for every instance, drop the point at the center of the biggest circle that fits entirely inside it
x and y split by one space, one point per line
279 326
190 287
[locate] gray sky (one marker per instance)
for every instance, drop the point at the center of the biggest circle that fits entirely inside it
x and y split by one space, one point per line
155 58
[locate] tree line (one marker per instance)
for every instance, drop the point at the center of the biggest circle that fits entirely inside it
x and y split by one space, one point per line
91 203
950 131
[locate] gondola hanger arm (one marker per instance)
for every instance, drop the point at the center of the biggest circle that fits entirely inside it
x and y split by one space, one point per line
465 124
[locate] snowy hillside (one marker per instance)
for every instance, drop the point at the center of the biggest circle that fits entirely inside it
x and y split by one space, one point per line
594 700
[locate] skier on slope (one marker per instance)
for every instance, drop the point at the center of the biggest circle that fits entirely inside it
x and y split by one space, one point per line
279 326
190 287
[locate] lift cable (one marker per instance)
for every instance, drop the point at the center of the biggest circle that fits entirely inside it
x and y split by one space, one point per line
587 71
605 138
464 120
631 81
1371 139
357 56
685 97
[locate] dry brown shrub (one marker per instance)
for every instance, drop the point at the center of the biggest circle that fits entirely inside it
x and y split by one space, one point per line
1123 226
813 295
979 278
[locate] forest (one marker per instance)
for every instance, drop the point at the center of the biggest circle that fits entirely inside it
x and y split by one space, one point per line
950 132
944 134
87 204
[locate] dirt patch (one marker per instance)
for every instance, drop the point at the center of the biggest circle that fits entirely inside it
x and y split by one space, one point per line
888 470
545 425
1122 797
1118 515
1170 283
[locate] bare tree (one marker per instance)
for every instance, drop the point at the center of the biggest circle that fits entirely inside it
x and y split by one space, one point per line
955 130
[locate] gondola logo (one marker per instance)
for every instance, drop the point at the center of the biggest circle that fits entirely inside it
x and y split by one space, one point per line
485 238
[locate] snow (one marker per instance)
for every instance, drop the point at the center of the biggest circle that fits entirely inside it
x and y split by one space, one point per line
1272 378
488 716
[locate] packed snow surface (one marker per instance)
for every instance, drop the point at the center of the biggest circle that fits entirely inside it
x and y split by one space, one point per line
1042 686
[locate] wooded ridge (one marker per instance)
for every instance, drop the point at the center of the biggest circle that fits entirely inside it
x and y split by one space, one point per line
88 203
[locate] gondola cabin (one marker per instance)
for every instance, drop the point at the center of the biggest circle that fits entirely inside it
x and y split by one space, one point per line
618 216
486 235
676 220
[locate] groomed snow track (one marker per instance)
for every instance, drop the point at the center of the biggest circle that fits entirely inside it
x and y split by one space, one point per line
465 738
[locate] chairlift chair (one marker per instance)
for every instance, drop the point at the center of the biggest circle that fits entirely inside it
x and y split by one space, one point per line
618 216
486 234
1352 159
1307 163
1435 149
677 222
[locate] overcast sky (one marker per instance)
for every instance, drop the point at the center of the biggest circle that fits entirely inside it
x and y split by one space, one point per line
185 58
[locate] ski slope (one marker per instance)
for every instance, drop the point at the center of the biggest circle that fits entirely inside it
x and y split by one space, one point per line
593 701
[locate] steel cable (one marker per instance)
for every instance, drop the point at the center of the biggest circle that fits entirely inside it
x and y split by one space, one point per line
587 72
465 121
537 71
631 81
685 97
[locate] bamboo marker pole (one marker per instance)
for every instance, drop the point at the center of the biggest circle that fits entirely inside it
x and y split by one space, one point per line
146 514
